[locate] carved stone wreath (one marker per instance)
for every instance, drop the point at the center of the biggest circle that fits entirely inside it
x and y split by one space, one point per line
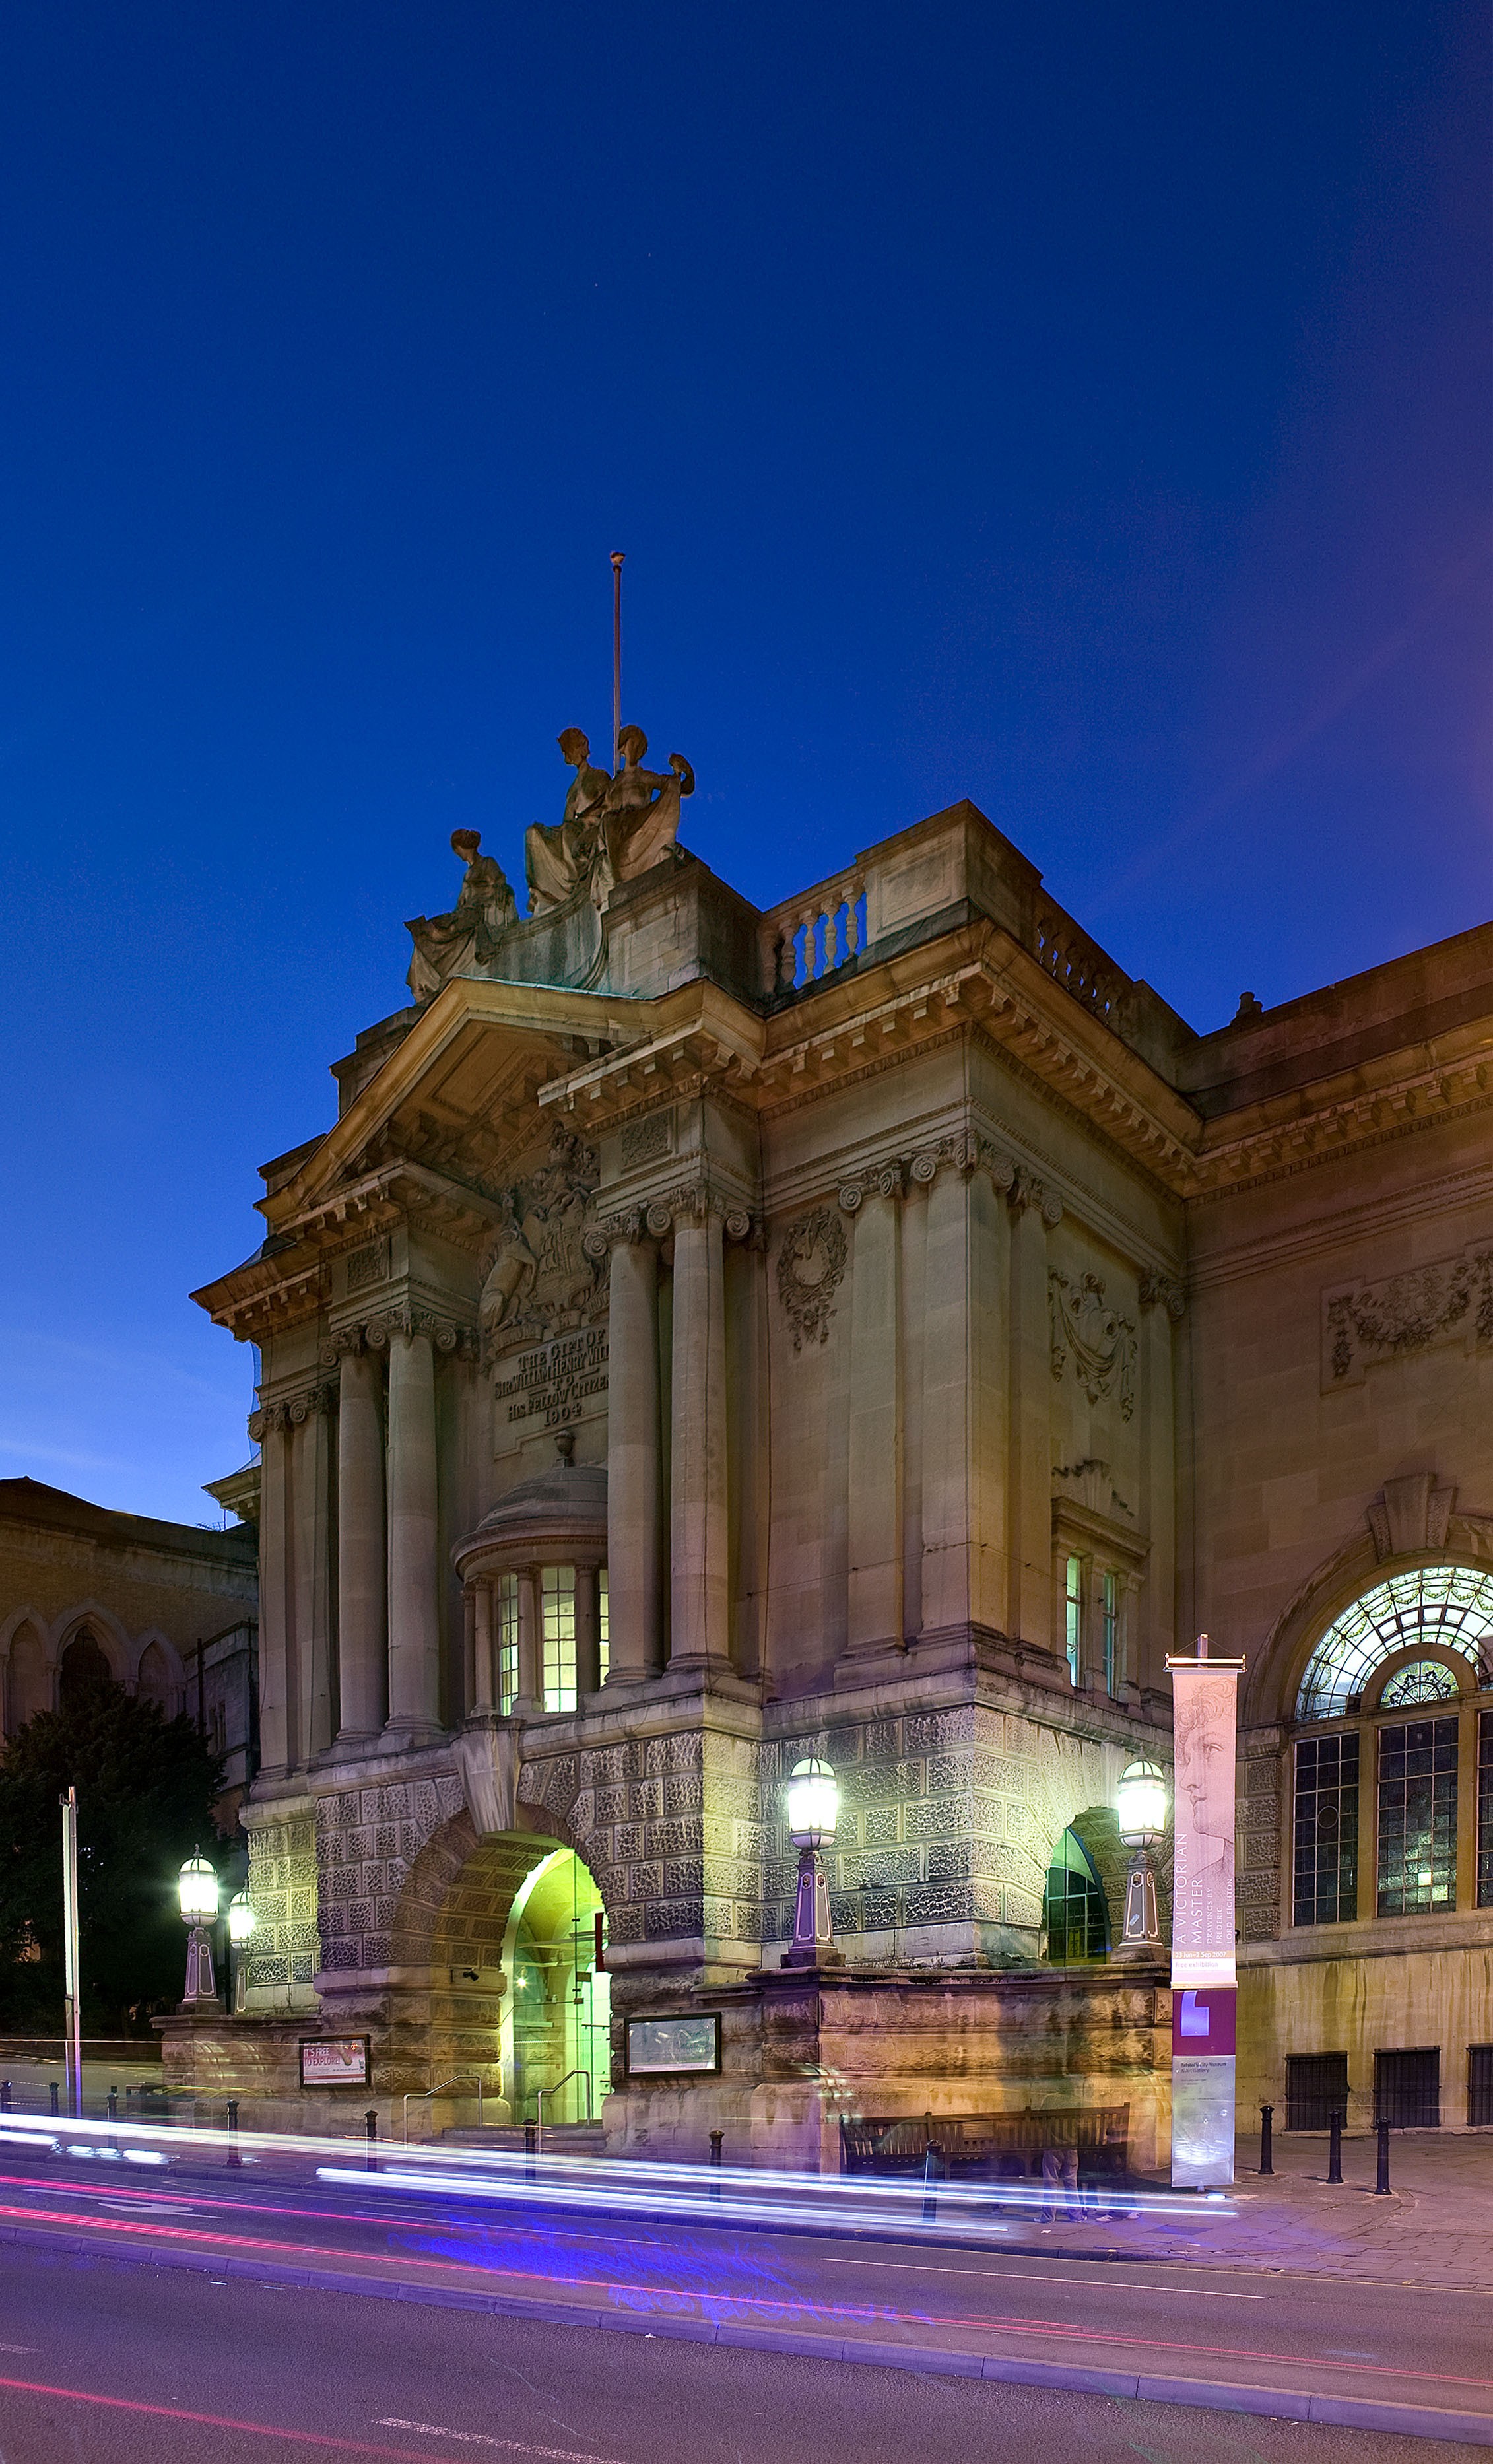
810 1267
1405 1313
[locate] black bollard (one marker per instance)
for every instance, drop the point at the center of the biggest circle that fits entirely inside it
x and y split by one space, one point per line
1334 2147
929 2173
1381 2188
5 2096
370 2123
1266 2115
114 2114
717 2138
531 2142
53 2091
233 2156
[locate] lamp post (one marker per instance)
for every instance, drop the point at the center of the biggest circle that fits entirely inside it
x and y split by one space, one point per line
1142 1808
813 1813
197 1889
241 1922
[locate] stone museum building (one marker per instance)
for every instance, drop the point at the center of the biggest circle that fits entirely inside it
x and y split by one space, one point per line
875 1328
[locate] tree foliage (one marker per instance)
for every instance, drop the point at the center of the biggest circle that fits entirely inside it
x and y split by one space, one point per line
146 1789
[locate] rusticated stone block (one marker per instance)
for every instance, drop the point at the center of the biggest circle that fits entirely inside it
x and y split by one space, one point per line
647 1800
934 1818
673 1838
684 1793
940 1903
627 1841
931 1732
611 1804
645 1881
669 1919
949 1860
883 1824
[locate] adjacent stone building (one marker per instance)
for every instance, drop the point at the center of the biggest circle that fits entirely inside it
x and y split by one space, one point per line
168 1610
876 1328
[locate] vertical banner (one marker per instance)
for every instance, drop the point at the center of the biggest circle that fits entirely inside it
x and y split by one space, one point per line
1204 1720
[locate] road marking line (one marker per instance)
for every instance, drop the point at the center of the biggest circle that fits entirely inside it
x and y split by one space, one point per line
278 2429
481 2438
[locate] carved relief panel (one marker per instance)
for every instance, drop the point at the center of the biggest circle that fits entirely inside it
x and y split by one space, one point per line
542 1310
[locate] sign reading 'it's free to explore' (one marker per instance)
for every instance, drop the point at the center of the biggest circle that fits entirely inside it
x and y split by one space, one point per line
335 2061
1204 1977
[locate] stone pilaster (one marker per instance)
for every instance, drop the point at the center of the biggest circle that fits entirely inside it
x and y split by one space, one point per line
270 1427
311 1484
362 1553
634 1469
699 1536
873 1614
414 1573
1034 1211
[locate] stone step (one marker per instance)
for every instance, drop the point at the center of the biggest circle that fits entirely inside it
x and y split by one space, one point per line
561 2139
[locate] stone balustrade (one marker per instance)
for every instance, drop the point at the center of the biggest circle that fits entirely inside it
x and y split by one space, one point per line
809 936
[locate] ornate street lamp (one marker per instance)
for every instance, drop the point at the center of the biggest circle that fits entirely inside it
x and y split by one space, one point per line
241 1922
197 1889
813 1813
1141 1805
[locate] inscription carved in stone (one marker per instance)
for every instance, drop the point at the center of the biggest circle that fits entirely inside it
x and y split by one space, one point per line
553 1382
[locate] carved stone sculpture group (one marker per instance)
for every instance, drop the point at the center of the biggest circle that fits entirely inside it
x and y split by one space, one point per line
612 829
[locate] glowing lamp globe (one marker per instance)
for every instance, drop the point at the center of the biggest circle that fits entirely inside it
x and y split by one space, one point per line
240 1918
813 1803
197 1890
1142 1805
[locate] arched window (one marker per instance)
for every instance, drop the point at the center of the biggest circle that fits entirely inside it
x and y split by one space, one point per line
83 1668
1375 1800
1449 1606
1074 1914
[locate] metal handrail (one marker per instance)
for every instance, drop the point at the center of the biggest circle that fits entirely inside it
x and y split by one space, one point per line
553 2089
460 2079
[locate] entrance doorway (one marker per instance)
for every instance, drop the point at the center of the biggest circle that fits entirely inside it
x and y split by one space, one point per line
557 2013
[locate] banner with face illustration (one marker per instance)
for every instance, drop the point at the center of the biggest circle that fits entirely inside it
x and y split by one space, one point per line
1205 1719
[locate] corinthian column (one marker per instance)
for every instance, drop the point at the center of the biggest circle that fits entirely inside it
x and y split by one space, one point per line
875 1604
361 1554
269 1426
414 1657
311 1481
699 1598
1033 1211
634 1495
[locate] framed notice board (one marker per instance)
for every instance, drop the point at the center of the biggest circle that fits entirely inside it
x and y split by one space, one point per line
676 2043
335 2061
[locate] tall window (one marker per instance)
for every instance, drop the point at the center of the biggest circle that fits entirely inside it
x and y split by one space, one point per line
602 1629
1074 1615
1110 1613
1417 1816
507 1642
1326 1831
1485 1809
558 1595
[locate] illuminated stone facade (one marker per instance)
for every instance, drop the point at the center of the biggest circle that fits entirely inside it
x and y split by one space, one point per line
875 1328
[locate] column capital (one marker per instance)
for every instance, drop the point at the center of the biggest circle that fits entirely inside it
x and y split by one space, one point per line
1162 1292
1026 1190
444 1334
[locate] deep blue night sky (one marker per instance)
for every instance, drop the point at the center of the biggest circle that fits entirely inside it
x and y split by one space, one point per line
1081 409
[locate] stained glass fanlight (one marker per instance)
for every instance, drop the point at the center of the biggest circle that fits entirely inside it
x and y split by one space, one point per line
1449 1607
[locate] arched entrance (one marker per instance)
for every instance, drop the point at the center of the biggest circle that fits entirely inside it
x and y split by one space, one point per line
557 2013
505 1929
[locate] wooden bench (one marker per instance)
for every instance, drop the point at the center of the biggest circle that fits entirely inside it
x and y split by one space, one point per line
990 2146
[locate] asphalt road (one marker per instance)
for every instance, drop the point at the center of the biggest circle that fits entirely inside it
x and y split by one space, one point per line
1018 2297
104 2363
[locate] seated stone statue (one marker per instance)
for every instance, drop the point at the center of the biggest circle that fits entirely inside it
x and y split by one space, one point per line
640 810
465 939
561 859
